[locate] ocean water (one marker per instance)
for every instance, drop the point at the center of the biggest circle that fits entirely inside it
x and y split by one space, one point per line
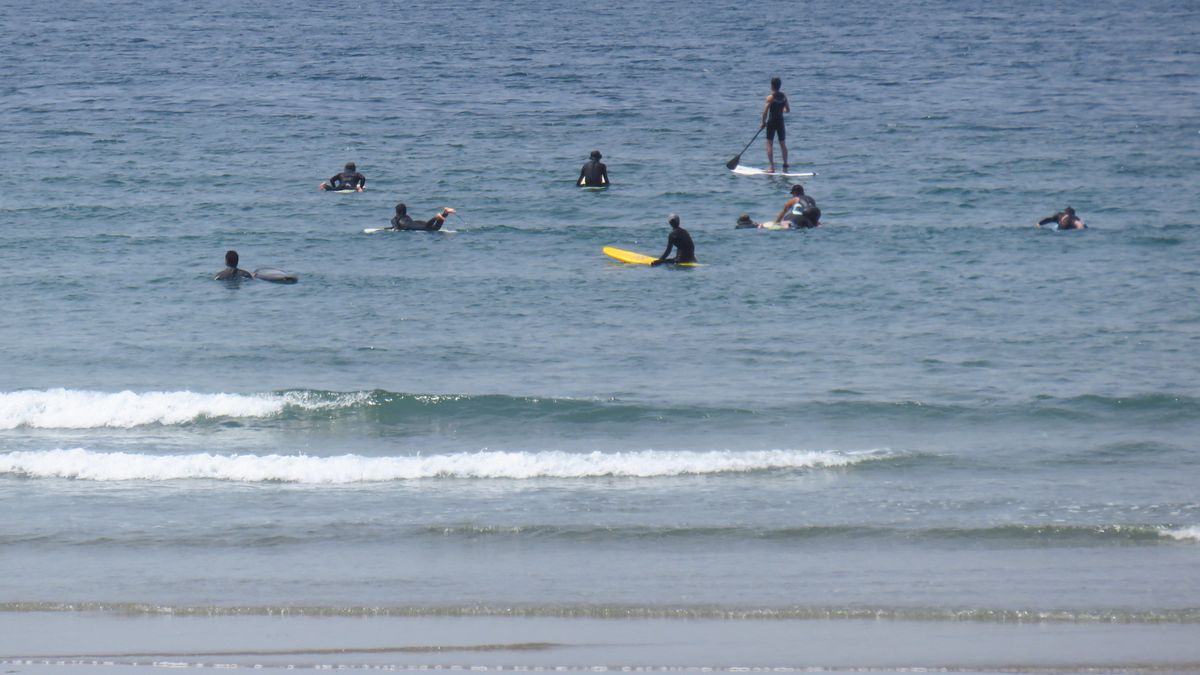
924 411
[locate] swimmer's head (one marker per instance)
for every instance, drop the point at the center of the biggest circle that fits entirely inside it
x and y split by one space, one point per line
596 154
674 220
350 166
401 209
231 259
744 219
776 83
1069 211
797 190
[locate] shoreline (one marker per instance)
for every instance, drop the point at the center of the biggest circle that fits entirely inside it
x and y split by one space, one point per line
39 642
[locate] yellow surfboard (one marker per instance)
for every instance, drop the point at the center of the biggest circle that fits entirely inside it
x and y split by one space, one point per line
635 258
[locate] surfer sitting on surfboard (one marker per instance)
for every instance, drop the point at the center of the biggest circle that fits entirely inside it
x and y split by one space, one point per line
594 172
681 241
403 221
350 179
800 211
231 270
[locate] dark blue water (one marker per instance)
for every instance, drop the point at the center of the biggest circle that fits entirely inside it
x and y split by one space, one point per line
925 408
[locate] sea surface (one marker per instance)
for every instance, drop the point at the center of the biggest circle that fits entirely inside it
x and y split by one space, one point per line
926 410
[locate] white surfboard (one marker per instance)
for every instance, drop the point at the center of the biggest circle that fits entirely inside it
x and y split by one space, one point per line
753 171
373 230
275 275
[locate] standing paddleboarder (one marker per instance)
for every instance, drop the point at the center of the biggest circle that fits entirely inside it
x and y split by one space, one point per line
772 119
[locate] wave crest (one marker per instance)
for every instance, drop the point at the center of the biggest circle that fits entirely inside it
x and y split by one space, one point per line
83 464
77 409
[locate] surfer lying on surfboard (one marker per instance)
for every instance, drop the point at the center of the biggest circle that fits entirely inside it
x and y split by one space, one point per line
1064 220
350 179
680 240
744 222
403 221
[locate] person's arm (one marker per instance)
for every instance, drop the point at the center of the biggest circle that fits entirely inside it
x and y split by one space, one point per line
362 182
766 108
582 175
787 106
786 207
670 245
1047 220
604 174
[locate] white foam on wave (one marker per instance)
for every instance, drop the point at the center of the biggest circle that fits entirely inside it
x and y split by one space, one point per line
75 409
1183 533
116 466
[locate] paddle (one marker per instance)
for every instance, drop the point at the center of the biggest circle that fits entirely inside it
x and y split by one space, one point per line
731 164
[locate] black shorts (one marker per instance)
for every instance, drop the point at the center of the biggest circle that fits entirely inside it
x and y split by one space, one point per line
811 218
776 127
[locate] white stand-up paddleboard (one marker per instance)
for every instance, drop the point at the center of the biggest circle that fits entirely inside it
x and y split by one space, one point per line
753 171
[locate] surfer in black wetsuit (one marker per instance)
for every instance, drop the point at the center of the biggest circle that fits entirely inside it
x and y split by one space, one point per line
350 179
1064 220
594 172
681 241
800 212
403 221
744 222
772 119
231 270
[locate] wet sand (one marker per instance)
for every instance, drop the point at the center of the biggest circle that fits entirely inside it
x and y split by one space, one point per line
103 642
